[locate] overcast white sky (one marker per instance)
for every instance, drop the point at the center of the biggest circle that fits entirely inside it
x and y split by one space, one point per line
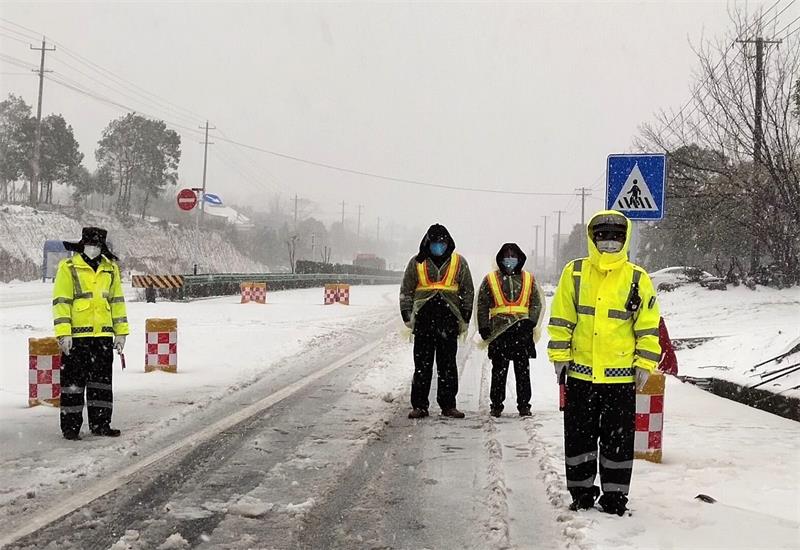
523 96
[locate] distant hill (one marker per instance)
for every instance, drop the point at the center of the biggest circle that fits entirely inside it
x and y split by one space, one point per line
143 246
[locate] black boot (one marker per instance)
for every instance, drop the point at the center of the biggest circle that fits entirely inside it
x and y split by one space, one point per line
584 501
107 431
525 411
614 503
73 436
453 413
418 413
496 410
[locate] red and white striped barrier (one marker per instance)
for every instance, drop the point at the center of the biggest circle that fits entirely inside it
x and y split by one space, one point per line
647 443
254 292
161 345
337 294
44 372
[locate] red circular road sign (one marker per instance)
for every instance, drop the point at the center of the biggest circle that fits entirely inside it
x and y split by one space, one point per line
186 199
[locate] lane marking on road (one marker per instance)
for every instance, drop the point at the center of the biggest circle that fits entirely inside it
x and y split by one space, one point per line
126 475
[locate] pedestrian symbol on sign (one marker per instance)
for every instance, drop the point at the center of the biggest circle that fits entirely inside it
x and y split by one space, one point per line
635 194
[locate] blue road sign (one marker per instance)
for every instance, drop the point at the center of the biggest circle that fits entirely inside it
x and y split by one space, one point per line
635 185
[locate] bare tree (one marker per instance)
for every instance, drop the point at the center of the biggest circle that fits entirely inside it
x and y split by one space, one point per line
749 177
291 244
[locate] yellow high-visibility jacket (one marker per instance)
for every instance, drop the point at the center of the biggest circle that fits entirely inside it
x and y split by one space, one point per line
88 302
589 325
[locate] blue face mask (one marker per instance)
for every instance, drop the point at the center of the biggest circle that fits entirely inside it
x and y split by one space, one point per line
510 263
438 248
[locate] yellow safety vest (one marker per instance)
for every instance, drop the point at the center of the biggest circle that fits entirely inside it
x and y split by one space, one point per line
503 306
86 302
448 282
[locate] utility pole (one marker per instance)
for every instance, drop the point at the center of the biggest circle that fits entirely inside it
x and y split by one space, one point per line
358 227
205 143
583 192
758 133
313 243
342 215
536 246
557 252
33 196
544 243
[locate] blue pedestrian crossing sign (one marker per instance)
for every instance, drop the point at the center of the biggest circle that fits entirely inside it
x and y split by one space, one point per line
635 185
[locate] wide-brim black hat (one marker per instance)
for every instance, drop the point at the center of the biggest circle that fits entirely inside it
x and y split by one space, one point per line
91 235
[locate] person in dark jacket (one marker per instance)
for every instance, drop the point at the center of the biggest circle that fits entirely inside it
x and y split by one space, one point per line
436 304
510 306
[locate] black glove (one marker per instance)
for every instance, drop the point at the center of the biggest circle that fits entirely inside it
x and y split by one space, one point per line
406 315
485 333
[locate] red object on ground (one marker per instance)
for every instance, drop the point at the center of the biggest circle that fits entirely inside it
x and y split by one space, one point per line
187 199
668 363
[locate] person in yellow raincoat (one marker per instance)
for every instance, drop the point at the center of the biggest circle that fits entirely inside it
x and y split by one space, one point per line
604 340
90 323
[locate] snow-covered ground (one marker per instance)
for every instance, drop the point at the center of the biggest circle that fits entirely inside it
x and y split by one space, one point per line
509 470
223 346
743 328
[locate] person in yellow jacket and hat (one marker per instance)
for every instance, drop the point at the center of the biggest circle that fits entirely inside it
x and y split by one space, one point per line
604 339
90 323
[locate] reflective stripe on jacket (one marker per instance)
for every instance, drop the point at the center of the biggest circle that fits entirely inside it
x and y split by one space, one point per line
590 326
504 306
447 283
88 302
512 288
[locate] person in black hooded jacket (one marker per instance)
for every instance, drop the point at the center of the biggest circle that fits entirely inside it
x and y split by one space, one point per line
510 306
436 304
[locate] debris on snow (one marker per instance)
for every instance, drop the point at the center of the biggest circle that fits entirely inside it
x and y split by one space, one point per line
174 542
250 507
300 509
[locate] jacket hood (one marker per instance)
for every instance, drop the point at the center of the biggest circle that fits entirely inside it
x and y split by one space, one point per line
517 252
435 232
603 260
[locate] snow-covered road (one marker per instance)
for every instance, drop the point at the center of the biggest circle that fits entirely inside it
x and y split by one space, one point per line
336 463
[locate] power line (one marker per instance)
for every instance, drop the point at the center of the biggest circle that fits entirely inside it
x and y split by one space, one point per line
152 104
789 25
295 158
28 36
17 62
33 32
26 42
120 81
388 178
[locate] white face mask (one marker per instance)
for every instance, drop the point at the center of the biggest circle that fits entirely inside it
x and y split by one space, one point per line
609 246
91 251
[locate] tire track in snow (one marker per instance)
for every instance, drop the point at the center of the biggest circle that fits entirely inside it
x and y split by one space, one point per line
550 468
497 525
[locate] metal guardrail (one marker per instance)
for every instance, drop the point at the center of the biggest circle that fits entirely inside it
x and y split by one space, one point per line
226 284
